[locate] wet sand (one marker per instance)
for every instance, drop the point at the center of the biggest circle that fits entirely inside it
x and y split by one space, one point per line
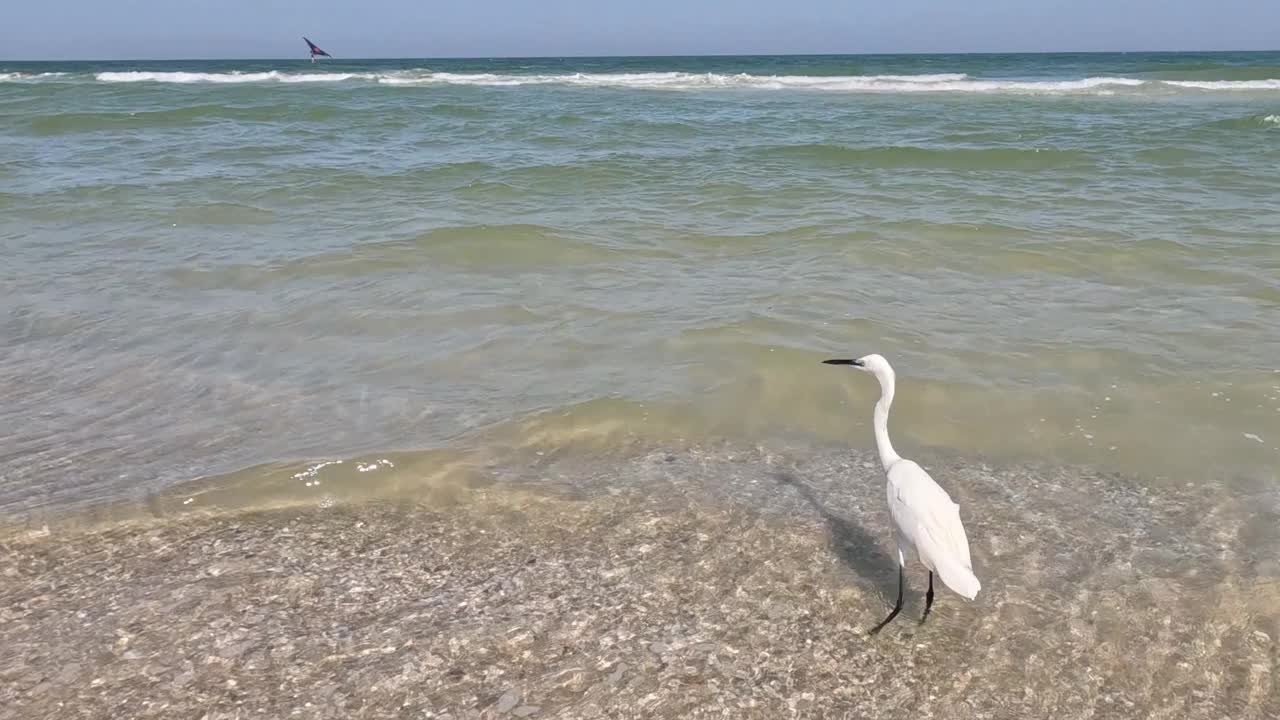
717 585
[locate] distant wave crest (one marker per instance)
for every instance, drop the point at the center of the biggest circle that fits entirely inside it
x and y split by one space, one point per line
21 76
926 83
231 77
1226 84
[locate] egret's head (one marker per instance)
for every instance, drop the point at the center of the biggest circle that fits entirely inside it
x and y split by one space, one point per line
875 364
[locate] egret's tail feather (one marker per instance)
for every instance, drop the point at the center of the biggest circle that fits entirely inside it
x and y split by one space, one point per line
959 579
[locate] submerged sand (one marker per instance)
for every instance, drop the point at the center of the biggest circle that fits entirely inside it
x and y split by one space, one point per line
736 586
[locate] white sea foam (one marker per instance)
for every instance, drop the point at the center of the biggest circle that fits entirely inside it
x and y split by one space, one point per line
669 80
1226 84
943 82
231 77
672 80
370 467
21 76
929 83
936 83
308 476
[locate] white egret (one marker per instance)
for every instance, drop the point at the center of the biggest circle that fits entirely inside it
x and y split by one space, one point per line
924 516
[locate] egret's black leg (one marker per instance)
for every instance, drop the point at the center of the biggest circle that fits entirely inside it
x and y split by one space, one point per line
928 599
896 607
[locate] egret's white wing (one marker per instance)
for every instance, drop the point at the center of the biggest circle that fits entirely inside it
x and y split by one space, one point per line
925 513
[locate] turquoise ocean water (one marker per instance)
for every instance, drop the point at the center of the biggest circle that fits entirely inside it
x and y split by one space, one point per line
222 269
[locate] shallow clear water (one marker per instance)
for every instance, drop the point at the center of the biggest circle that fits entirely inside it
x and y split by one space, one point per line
211 266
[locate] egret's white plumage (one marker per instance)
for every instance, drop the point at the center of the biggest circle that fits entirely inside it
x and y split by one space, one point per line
925 518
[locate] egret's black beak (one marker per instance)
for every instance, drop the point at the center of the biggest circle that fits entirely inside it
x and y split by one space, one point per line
855 363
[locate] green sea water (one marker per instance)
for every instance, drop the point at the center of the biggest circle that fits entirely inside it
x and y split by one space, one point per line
223 269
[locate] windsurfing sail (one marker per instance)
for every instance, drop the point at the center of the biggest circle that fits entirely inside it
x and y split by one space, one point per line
315 50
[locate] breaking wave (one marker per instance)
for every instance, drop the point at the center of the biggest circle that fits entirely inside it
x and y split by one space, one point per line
21 76
937 83
926 83
231 77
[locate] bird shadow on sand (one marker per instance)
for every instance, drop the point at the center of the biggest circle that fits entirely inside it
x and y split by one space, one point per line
856 547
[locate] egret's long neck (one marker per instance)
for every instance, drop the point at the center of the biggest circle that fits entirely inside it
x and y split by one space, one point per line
881 420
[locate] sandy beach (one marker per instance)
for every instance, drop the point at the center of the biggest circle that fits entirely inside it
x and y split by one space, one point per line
718 584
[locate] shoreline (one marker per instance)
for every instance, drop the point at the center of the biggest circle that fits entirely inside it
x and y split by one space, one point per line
743 588
583 466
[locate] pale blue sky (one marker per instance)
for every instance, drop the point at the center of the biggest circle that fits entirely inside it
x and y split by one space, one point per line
120 29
